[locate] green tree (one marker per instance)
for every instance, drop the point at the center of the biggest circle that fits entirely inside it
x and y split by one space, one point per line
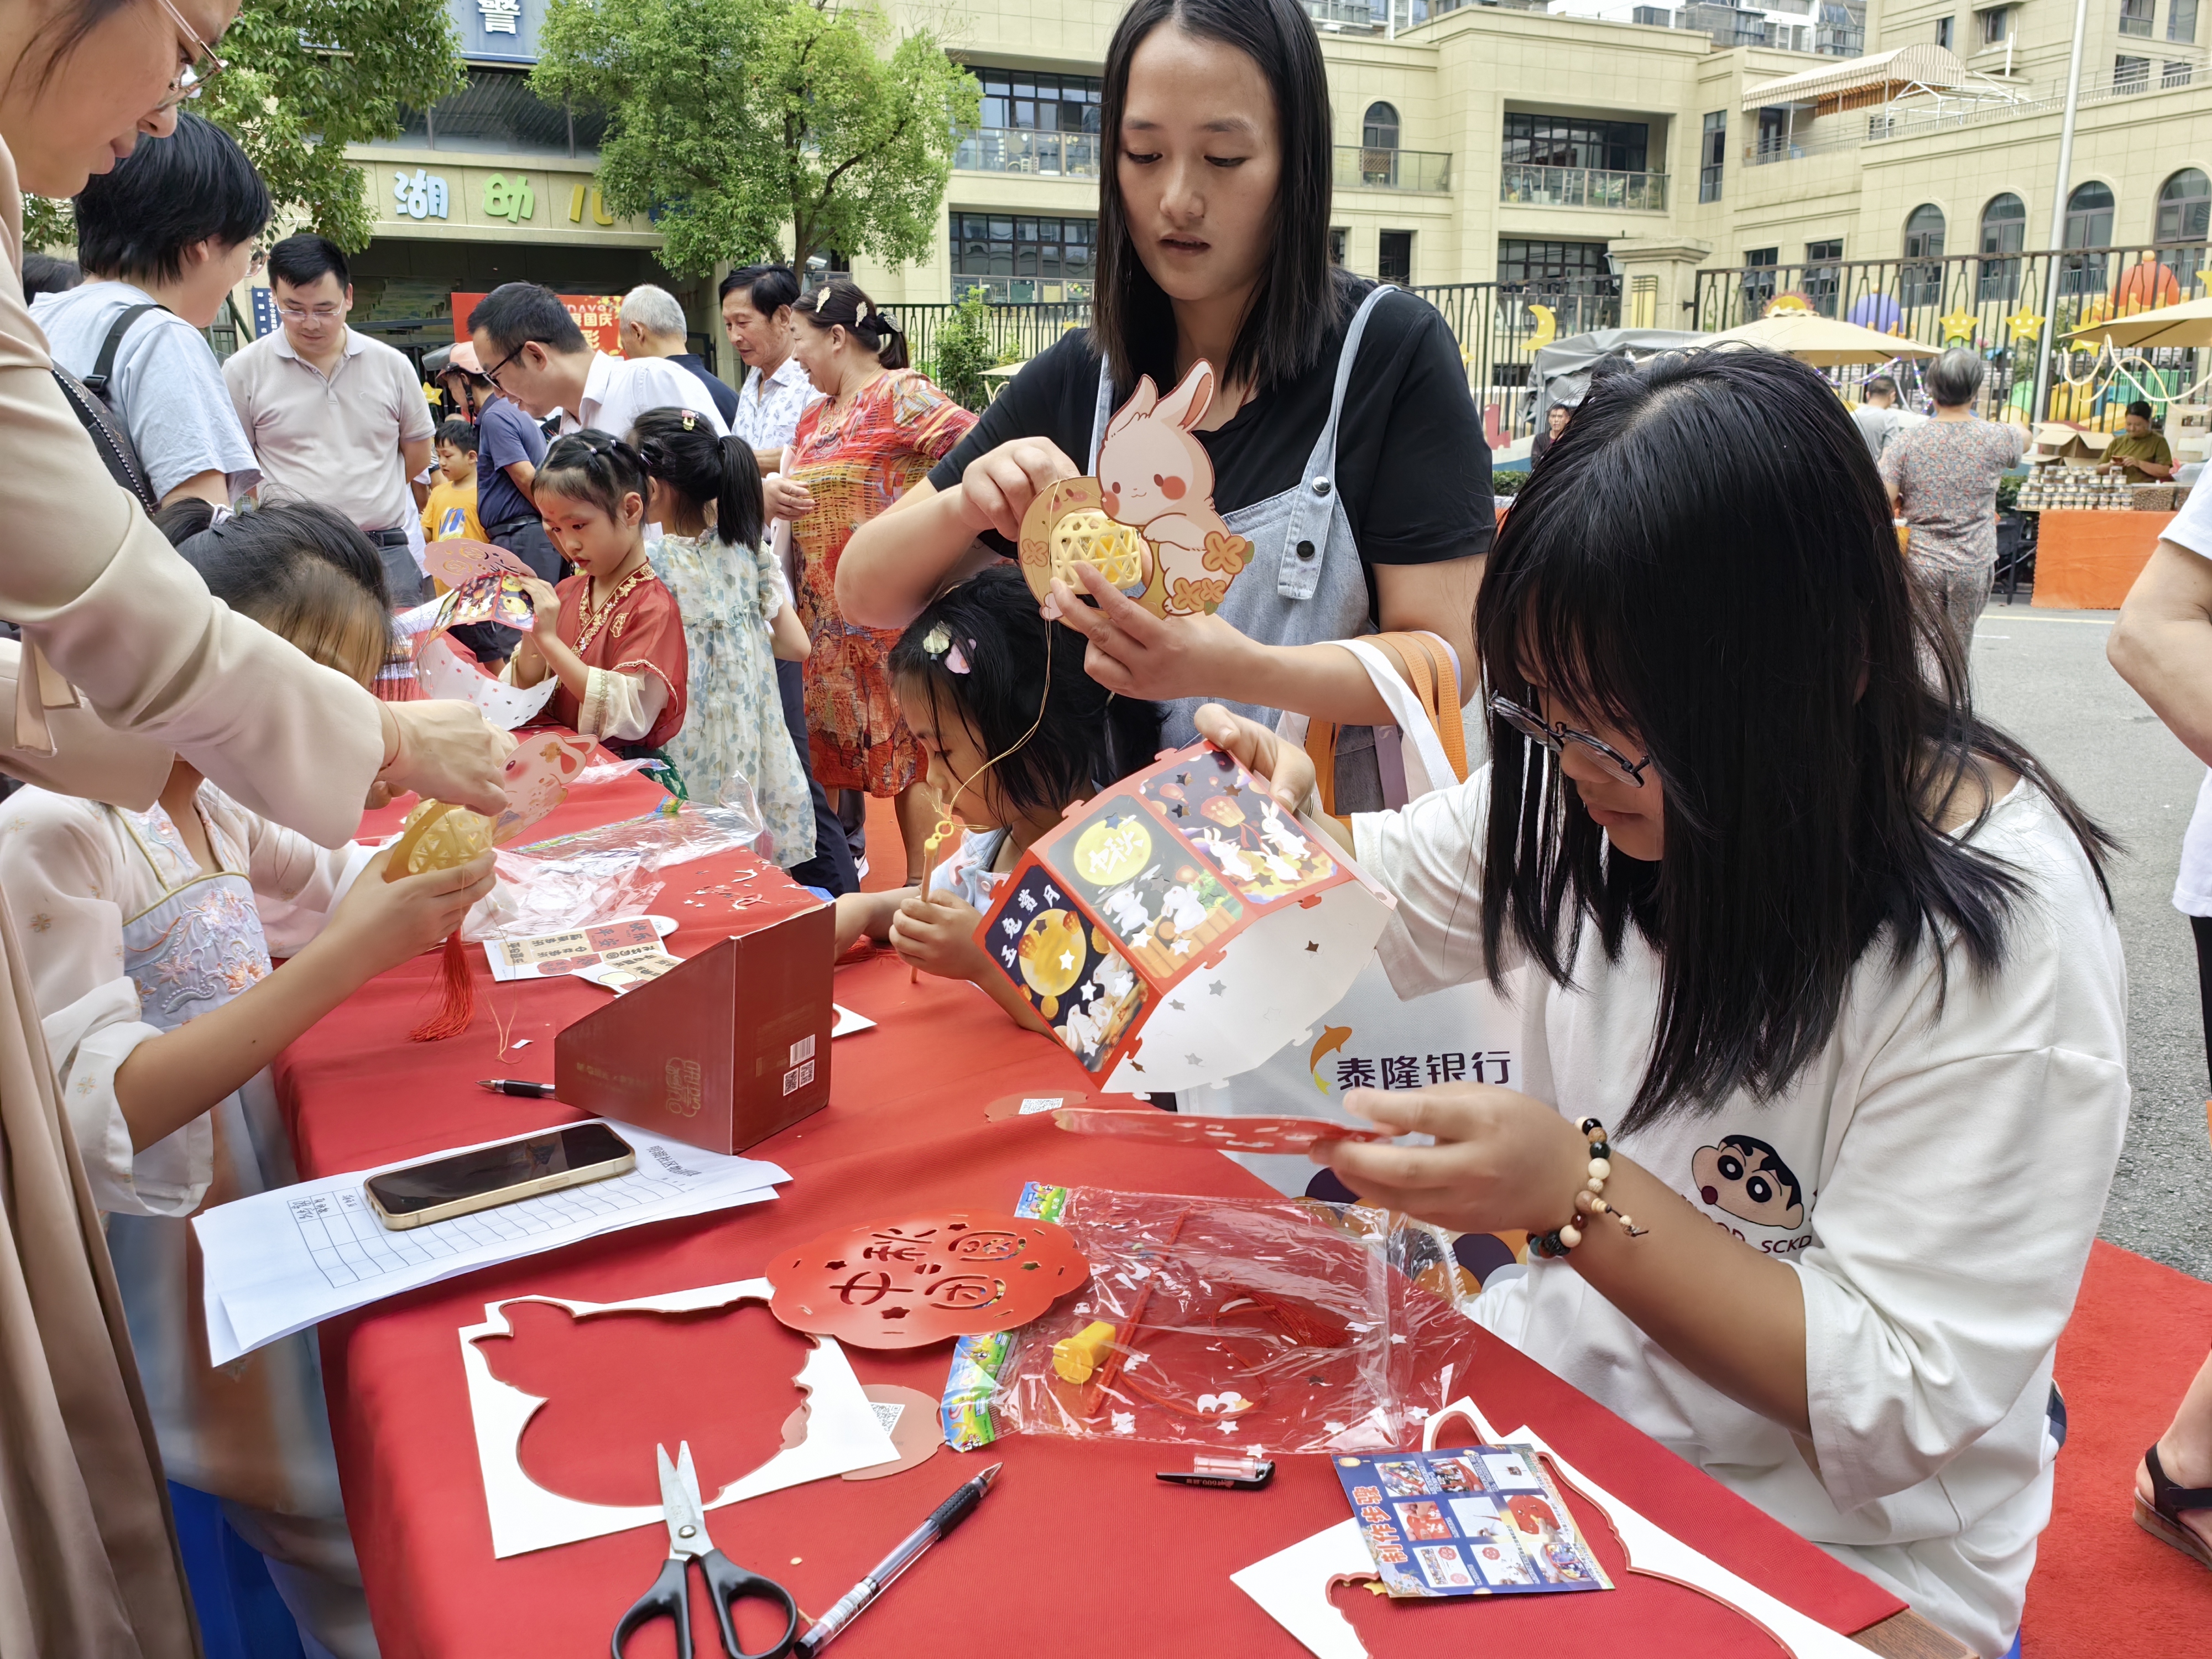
307 78
733 121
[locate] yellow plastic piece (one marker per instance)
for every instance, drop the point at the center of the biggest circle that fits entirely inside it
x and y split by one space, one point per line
1074 1357
1088 536
437 836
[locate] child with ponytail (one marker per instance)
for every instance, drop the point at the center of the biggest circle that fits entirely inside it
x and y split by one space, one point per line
1012 733
611 632
704 492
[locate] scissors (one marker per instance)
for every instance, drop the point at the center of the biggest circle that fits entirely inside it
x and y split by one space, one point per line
727 1581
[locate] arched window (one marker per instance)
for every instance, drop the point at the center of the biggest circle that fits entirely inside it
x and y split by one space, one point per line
1380 129
1924 233
2004 224
2089 216
2184 208
1922 283
2004 233
2088 224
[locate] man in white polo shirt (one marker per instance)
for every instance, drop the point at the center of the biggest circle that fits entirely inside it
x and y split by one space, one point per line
533 352
334 416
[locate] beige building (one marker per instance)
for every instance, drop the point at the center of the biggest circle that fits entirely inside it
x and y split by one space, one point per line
1593 164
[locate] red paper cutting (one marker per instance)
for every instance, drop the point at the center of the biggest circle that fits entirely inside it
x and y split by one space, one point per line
920 1279
1227 1134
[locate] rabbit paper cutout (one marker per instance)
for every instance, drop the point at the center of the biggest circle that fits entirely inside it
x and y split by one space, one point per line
1156 479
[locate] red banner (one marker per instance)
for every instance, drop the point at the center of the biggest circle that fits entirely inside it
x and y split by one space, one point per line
595 313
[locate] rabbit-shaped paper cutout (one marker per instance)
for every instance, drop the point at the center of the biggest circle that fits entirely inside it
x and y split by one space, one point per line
538 773
1155 479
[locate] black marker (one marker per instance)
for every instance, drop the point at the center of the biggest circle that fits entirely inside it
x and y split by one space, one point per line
511 1085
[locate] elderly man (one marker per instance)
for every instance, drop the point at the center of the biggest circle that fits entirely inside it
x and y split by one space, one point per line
333 415
653 327
533 352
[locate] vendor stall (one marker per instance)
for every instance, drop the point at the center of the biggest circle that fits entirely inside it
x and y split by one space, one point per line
2087 561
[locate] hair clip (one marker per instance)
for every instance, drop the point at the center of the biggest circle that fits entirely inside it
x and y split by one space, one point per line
689 420
956 660
935 641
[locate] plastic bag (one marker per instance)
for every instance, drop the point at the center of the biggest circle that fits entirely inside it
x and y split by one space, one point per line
1264 1326
615 870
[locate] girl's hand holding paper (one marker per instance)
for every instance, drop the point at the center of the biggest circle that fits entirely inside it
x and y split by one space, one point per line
1502 1160
935 932
1287 768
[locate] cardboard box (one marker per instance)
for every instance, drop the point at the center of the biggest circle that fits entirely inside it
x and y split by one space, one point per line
721 1053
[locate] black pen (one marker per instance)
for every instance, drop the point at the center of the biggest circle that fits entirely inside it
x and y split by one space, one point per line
942 1520
516 1085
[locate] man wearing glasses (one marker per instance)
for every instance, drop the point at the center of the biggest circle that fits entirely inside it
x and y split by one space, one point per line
333 415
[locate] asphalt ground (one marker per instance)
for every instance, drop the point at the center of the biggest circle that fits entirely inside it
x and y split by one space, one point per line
2043 676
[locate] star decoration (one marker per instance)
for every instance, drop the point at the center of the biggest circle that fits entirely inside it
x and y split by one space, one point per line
2025 324
1181 947
1067 959
1958 327
1181 810
1313 945
1217 989
1192 1060
1178 1007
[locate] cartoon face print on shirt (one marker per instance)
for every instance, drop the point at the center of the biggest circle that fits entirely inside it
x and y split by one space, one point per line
1747 1179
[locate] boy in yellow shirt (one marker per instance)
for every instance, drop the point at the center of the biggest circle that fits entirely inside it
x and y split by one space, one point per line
451 513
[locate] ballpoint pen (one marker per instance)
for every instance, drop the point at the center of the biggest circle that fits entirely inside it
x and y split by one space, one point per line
942 1520
514 1085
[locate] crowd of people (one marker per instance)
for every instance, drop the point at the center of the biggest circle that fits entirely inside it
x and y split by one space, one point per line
1843 924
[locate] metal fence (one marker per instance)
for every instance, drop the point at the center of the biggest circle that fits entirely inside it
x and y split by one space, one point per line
1497 327
1994 302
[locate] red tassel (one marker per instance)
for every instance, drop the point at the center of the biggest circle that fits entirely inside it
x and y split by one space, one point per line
457 1006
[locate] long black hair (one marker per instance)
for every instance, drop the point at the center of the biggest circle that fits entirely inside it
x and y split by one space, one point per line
1300 294
682 451
594 466
840 303
303 571
1706 561
989 666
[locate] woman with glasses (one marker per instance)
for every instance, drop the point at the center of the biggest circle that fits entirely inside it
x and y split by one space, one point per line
1823 1013
89 1564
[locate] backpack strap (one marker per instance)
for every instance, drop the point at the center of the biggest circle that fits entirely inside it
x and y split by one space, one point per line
96 382
1425 665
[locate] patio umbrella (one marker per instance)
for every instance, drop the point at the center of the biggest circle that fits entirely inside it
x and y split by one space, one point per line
1823 341
2186 324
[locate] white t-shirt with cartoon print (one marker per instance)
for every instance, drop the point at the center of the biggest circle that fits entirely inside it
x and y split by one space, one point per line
1935 1178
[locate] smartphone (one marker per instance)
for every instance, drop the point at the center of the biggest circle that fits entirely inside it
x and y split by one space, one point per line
464 1182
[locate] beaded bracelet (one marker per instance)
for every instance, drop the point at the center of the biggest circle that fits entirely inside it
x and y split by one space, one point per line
1589 1201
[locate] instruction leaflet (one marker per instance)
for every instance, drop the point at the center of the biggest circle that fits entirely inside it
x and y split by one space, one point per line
1474 1520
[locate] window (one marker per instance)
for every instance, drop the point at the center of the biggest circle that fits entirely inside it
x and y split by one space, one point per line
1039 103
2184 208
2004 233
1564 141
1711 153
1554 267
1824 274
1943 31
2179 73
1920 280
1393 257
497 113
1339 237
1758 279
1774 127
2088 225
1380 128
2130 74
2135 17
1019 260
1997 24
2181 19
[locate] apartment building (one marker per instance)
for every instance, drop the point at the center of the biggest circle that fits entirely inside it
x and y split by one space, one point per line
1604 157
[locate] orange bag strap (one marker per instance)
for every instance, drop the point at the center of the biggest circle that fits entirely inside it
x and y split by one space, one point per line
1425 666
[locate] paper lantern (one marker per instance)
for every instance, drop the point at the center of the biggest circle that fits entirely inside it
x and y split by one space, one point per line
1181 927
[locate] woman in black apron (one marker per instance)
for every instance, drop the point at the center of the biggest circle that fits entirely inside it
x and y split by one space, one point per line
1345 446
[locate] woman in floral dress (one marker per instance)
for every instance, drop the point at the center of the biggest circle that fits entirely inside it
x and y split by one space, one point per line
879 428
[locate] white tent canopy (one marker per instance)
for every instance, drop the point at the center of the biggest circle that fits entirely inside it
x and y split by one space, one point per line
1877 76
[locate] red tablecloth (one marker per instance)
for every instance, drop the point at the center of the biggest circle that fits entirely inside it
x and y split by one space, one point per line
1079 1545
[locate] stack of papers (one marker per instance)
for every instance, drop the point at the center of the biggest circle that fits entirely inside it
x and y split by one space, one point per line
282 1261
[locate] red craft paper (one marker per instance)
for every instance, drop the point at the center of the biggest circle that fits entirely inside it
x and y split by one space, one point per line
916 1280
1227 1134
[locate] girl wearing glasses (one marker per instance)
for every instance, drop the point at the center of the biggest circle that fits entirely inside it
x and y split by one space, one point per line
1821 999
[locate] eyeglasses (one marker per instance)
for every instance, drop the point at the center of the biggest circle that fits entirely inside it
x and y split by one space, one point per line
201 67
1533 726
294 313
492 374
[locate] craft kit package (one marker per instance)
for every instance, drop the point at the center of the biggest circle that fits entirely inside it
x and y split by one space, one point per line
597 875
1180 926
724 1049
1250 1325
